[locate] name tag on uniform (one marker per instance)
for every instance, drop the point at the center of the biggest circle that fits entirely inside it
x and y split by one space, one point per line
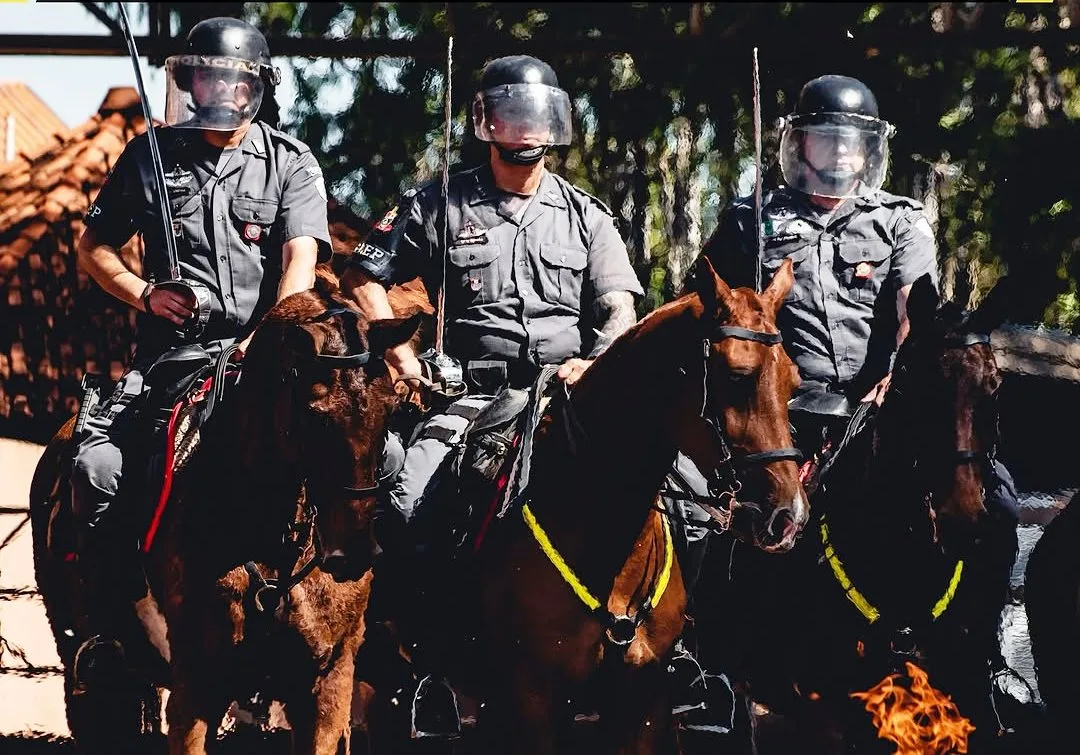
864 270
252 231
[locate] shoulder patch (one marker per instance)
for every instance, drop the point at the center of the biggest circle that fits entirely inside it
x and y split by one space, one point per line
922 225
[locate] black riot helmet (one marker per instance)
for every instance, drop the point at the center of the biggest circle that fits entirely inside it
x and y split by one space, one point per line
219 80
835 144
520 108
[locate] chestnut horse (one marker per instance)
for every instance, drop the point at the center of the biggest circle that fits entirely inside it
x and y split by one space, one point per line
259 575
890 572
575 597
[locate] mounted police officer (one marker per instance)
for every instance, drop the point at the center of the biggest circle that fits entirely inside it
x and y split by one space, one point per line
536 274
857 251
249 220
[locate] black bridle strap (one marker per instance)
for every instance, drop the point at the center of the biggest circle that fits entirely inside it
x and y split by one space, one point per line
745 334
764 457
967 339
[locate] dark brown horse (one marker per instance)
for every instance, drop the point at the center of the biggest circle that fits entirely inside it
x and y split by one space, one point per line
259 575
889 570
575 598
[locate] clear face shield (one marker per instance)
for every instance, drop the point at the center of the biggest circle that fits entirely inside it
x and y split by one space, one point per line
838 155
522 115
212 93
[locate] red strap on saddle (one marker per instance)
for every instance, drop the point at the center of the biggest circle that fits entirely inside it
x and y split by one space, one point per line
166 484
500 487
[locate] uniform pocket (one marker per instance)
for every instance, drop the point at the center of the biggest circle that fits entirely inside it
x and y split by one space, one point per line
564 272
474 264
254 217
798 252
862 267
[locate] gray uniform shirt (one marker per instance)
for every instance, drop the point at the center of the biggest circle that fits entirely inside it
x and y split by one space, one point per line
516 287
230 221
848 267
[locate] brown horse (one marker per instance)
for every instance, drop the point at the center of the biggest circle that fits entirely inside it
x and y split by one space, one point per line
892 571
259 574
576 595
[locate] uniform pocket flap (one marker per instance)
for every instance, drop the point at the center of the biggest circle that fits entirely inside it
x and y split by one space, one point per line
564 256
796 251
252 210
854 252
473 256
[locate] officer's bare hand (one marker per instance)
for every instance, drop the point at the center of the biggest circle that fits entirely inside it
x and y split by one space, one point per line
241 349
877 393
172 305
572 369
407 371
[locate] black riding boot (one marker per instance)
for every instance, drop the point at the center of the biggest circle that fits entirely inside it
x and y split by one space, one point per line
101 655
408 595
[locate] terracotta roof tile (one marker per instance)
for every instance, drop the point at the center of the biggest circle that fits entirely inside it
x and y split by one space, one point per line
55 185
36 125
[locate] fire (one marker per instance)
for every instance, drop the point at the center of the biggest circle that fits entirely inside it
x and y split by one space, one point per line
917 717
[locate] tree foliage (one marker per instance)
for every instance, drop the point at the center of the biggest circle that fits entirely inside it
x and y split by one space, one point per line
986 128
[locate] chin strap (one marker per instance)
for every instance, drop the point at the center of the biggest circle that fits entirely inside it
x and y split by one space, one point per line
523 155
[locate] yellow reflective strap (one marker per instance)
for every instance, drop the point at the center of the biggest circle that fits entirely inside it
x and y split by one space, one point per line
669 557
950 591
856 597
557 560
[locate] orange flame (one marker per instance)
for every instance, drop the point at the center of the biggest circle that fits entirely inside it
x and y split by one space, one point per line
918 718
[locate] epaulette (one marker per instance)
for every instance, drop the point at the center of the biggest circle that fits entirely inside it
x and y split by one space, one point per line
291 142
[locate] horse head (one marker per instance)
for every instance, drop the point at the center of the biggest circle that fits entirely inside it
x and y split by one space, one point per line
736 422
938 427
322 399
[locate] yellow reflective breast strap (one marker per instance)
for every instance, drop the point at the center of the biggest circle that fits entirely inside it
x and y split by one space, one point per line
856 597
571 579
557 560
866 608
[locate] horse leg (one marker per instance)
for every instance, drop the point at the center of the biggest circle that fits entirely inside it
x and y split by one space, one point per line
517 716
635 714
194 712
321 719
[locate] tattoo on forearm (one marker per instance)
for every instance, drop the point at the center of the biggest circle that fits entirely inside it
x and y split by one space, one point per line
614 312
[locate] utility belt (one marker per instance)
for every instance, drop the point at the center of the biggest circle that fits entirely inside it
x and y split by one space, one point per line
489 376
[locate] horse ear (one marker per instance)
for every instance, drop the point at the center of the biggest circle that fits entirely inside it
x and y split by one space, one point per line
388 333
715 294
777 290
922 302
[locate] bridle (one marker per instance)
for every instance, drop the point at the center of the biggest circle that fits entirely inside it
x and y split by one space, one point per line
723 483
268 594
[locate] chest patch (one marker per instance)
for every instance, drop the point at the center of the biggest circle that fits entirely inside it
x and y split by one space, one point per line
387 223
470 235
252 231
864 270
178 179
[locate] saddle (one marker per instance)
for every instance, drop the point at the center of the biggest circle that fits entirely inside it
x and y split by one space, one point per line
492 465
183 387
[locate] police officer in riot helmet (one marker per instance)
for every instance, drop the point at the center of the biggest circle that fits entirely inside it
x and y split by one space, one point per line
220 150
220 79
834 146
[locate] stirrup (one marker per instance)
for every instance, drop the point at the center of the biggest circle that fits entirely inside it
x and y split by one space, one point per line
85 654
445 727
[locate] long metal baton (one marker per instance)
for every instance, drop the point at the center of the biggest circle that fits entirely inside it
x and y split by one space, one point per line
757 176
448 114
198 294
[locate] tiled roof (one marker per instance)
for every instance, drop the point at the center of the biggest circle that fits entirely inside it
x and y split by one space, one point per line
36 127
56 184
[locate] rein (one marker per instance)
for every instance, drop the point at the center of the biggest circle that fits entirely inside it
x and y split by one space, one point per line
272 596
620 629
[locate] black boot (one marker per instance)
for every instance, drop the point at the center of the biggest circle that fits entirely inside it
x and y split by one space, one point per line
100 657
406 594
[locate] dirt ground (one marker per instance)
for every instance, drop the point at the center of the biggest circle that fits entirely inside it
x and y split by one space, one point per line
32 720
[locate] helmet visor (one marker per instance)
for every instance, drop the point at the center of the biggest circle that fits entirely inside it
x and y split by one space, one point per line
839 155
522 114
212 93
